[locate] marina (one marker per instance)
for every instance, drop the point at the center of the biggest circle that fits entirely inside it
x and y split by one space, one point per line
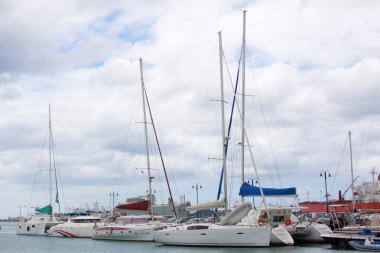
249 127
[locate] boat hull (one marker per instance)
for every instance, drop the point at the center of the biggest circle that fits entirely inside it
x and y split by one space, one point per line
359 245
342 240
119 233
72 230
281 236
232 236
31 228
310 233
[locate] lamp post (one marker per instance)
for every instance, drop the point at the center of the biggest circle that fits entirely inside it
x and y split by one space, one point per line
197 187
324 173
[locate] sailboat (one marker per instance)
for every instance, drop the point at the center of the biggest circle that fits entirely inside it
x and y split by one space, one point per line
230 231
44 219
135 227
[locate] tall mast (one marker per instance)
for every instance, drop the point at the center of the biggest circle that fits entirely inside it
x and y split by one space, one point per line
243 104
146 140
50 168
223 120
352 173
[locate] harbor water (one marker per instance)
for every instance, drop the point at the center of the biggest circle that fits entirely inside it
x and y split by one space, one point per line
10 242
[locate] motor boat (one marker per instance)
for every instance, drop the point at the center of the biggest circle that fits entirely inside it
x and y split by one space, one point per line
131 228
76 227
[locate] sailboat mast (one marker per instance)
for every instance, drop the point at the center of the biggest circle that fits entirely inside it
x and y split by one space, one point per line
243 103
50 168
223 120
146 140
352 173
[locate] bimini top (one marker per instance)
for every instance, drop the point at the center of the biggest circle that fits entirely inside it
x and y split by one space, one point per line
251 190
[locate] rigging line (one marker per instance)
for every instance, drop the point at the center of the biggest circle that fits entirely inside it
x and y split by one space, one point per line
196 159
265 120
336 171
262 156
124 146
133 155
55 170
170 175
251 156
38 170
159 149
369 117
55 160
370 121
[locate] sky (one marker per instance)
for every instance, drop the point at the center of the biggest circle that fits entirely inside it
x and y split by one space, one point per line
312 75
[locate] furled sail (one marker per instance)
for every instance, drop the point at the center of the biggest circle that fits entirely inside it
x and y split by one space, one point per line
208 205
46 210
251 190
142 205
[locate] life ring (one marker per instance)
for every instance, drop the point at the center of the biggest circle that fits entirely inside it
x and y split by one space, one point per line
288 222
261 222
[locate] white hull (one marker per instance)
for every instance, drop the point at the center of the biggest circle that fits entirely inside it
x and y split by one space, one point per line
31 228
309 233
281 236
215 235
73 230
124 233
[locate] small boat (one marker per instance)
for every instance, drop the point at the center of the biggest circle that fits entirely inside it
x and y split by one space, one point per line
76 227
343 239
367 245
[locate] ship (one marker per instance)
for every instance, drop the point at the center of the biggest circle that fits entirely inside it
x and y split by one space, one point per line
366 200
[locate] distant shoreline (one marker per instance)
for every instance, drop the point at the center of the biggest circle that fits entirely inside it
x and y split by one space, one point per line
9 220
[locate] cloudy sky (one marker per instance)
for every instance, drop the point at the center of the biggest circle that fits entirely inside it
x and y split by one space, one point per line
312 71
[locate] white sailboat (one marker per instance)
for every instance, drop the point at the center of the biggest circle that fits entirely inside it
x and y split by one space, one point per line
230 231
140 227
44 219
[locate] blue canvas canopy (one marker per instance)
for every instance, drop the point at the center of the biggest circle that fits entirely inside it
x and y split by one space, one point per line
251 190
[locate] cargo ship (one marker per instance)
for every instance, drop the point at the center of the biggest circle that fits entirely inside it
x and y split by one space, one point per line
366 200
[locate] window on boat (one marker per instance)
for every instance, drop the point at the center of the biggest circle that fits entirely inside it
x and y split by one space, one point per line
163 219
123 221
278 218
139 220
197 227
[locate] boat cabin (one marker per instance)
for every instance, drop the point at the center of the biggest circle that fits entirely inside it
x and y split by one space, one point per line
139 219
